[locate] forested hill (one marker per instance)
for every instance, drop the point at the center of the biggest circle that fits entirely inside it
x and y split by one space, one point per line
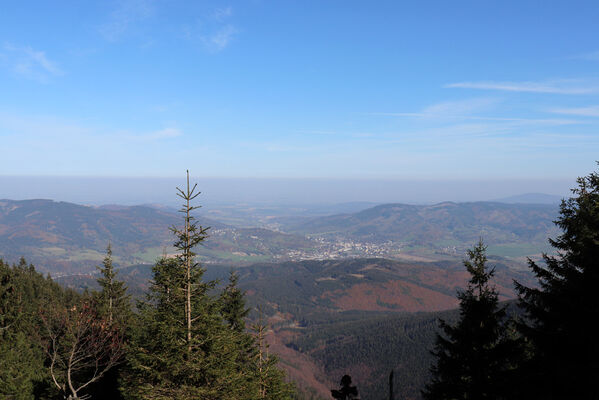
61 237
302 290
58 235
307 288
443 224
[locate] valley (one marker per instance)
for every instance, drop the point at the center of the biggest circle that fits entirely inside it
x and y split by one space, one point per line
358 292
66 238
366 316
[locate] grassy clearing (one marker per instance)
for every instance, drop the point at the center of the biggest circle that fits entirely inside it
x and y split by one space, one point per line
86 255
151 254
517 249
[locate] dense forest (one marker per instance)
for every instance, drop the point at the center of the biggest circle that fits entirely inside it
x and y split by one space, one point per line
187 338
183 341
549 351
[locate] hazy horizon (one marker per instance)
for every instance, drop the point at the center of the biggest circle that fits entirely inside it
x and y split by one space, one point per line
457 91
271 191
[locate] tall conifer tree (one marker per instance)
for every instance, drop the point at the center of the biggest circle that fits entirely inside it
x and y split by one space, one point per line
562 311
184 348
473 356
112 300
188 238
113 305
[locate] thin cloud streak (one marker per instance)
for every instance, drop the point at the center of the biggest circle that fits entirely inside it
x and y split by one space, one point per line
54 130
591 111
467 106
31 63
552 87
545 121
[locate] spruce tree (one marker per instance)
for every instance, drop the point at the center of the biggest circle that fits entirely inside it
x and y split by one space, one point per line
562 310
188 238
114 305
184 349
112 300
473 356
233 305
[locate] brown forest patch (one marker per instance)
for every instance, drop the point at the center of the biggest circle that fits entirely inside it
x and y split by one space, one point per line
393 295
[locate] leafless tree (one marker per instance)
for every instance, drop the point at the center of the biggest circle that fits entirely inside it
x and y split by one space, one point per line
81 347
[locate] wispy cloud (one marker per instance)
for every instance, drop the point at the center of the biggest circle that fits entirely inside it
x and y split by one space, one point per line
65 146
128 13
222 13
450 109
325 133
30 63
554 87
214 31
591 111
52 129
537 121
220 39
468 109
460 107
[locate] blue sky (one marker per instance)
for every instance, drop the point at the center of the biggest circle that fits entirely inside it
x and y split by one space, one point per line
300 89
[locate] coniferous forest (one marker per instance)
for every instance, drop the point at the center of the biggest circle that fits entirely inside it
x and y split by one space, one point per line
548 351
182 341
188 338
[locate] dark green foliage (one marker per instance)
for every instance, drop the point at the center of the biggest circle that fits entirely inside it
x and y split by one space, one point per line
232 299
23 293
367 345
474 356
219 365
20 360
112 301
560 330
340 340
162 367
20 366
114 304
191 344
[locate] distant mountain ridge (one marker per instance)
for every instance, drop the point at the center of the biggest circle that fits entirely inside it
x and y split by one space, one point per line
439 225
531 198
65 237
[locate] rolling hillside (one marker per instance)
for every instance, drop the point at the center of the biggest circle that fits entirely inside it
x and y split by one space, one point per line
510 229
61 237
307 288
